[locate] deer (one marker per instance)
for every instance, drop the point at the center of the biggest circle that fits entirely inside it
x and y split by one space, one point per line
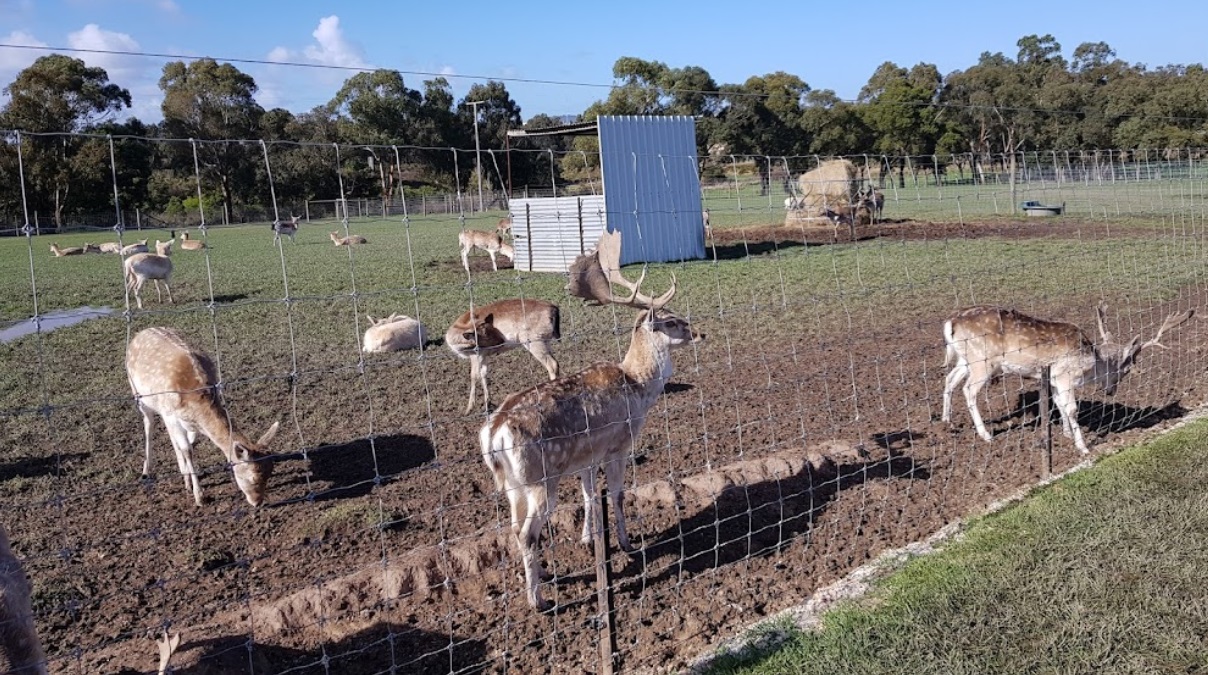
393 333
704 216
20 649
137 247
347 241
110 247
578 423
91 248
485 332
288 229
491 242
157 267
986 341
179 383
167 648
63 252
504 227
190 244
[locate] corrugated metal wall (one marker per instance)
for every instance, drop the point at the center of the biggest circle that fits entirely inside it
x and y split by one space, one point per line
548 233
652 187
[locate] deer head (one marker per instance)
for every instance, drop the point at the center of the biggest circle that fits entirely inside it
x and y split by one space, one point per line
1117 360
592 276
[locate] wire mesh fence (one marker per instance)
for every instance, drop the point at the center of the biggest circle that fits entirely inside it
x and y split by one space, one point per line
798 439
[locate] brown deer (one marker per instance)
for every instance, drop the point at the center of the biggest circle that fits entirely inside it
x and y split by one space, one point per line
20 649
347 241
578 423
190 244
157 267
490 242
179 383
62 252
485 332
987 341
288 229
504 227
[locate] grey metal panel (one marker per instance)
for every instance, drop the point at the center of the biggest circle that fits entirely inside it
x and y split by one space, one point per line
549 232
651 186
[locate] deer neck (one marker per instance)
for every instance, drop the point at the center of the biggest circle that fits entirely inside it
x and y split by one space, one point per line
214 423
648 360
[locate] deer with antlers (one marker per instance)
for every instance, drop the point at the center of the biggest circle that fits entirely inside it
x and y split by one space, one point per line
485 332
579 423
987 341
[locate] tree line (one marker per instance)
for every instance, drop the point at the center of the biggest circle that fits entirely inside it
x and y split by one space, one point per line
75 143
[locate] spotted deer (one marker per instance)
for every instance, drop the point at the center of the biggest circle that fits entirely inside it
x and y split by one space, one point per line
288 229
20 649
986 341
350 240
485 332
581 422
179 383
491 242
143 267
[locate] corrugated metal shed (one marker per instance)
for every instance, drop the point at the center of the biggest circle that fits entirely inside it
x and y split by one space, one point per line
548 233
651 186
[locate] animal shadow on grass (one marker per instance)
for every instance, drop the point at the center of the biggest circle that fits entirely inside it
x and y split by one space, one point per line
34 467
225 298
352 469
1094 416
381 648
760 518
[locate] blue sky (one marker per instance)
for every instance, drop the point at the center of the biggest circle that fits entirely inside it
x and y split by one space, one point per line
831 45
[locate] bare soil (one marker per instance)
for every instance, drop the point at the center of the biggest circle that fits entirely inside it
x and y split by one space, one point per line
759 479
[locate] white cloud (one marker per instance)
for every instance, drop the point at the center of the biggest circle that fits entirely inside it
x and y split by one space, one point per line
168 6
279 55
13 60
136 74
333 49
448 71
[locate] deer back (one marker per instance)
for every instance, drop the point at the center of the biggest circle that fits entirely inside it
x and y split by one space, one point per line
1006 340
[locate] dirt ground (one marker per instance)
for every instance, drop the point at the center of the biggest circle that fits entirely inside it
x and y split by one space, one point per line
759 479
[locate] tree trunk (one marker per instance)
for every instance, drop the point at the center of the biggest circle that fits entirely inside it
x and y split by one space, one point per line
225 181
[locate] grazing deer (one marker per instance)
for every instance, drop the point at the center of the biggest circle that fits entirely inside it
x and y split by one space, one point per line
137 247
70 250
578 423
490 242
190 244
704 216
393 333
481 334
156 267
179 383
167 647
20 649
347 241
111 247
288 229
986 341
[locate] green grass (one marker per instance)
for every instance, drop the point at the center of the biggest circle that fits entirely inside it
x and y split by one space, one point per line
1101 572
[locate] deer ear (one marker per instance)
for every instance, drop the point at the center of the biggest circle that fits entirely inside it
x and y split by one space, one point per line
269 435
371 319
489 319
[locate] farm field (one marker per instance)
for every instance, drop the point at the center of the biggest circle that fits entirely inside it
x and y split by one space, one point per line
795 443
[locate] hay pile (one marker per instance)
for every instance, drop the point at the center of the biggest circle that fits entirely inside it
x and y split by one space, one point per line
833 184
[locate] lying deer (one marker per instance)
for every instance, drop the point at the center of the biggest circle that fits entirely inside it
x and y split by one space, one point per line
347 241
157 267
111 247
171 379
393 333
70 250
288 229
190 244
137 247
987 341
578 423
91 248
490 242
20 649
481 334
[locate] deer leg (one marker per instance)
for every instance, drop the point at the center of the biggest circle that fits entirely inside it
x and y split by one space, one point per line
492 254
614 474
1068 405
138 287
475 366
159 294
169 289
465 261
482 376
147 424
955 376
184 457
540 351
587 480
973 386
528 537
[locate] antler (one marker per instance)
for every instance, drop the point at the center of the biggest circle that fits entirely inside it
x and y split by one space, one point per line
167 647
1101 316
592 276
1172 321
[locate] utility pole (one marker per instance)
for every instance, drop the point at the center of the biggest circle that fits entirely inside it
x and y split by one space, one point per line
477 152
